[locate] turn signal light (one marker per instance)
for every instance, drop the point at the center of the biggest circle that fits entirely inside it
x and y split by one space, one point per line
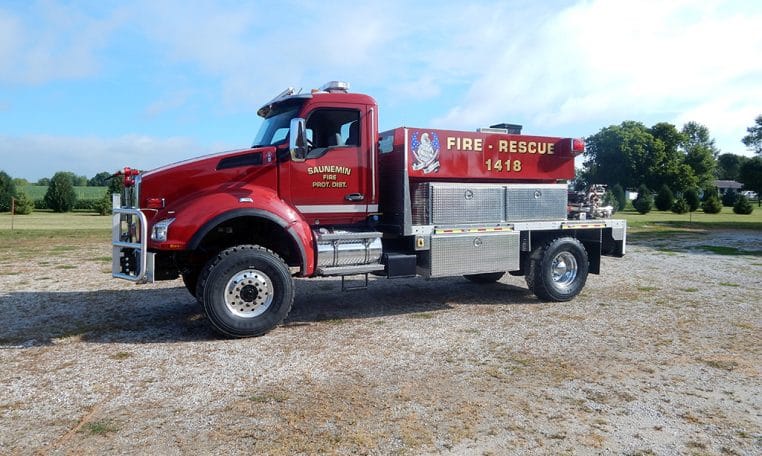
155 203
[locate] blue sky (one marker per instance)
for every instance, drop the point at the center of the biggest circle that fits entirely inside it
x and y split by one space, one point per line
95 86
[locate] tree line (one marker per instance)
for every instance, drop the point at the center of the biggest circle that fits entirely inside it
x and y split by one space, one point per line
679 163
60 195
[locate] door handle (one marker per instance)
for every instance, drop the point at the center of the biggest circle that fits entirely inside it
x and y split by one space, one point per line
355 197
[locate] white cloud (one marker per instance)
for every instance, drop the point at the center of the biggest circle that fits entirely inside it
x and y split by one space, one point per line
605 61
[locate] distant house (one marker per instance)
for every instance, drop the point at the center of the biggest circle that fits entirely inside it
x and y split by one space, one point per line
725 186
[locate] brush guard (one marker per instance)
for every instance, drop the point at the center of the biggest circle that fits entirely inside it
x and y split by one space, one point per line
131 259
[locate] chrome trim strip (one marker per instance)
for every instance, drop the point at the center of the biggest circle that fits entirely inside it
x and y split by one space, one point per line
372 156
339 208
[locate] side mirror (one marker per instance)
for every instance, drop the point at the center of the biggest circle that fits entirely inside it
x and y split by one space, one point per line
297 139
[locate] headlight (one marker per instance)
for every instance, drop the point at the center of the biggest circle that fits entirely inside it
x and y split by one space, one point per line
160 229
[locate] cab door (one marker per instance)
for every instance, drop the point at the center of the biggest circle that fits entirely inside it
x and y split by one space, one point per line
331 185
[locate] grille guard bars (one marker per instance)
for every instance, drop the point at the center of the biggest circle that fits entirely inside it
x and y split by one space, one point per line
139 268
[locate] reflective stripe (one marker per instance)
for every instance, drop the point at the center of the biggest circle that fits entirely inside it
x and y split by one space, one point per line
472 230
337 208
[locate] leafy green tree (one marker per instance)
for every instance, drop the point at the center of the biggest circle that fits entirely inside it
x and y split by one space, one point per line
697 135
750 175
24 206
680 206
712 204
627 154
99 180
20 182
645 201
619 195
753 140
700 151
692 199
729 166
7 191
743 206
60 195
115 185
44 182
664 198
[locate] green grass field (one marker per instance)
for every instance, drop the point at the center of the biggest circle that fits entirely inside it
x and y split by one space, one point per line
52 222
658 221
35 192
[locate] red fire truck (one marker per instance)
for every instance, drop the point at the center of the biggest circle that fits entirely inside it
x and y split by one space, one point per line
323 193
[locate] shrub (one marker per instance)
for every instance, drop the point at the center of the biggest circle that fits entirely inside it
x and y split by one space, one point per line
7 191
712 205
645 201
743 206
692 198
664 199
40 204
60 195
729 198
85 205
103 205
621 198
680 206
24 205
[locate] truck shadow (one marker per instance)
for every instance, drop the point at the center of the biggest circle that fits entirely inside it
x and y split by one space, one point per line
162 315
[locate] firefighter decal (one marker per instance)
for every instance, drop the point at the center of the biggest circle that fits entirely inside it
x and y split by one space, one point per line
425 152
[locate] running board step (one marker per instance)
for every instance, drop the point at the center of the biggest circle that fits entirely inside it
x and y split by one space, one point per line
349 270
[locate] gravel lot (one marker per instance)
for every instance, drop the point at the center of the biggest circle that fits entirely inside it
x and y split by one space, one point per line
660 354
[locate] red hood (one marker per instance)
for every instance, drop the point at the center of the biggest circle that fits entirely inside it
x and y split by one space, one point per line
211 173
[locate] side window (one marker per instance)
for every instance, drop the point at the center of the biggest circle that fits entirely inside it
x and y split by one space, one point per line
333 127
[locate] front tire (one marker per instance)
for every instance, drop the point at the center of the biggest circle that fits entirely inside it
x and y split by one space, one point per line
247 291
558 270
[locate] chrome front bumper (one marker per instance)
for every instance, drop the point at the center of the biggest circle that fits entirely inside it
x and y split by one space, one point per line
130 259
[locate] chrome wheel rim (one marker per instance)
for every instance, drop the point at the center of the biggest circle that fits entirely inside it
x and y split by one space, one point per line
564 269
249 293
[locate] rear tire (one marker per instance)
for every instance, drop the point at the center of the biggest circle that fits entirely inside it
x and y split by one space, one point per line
558 270
487 277
247 291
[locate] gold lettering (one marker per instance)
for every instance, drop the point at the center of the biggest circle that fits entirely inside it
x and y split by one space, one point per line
478 143
450 142
502 146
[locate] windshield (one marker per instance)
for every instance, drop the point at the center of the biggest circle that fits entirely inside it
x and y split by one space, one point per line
275 127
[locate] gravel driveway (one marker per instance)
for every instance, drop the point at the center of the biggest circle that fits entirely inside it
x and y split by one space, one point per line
660 354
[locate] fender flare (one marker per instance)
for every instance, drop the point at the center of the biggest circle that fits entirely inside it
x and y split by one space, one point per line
207 227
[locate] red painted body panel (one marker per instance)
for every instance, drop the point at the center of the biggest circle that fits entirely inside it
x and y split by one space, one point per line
320 186
195 192
459 155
